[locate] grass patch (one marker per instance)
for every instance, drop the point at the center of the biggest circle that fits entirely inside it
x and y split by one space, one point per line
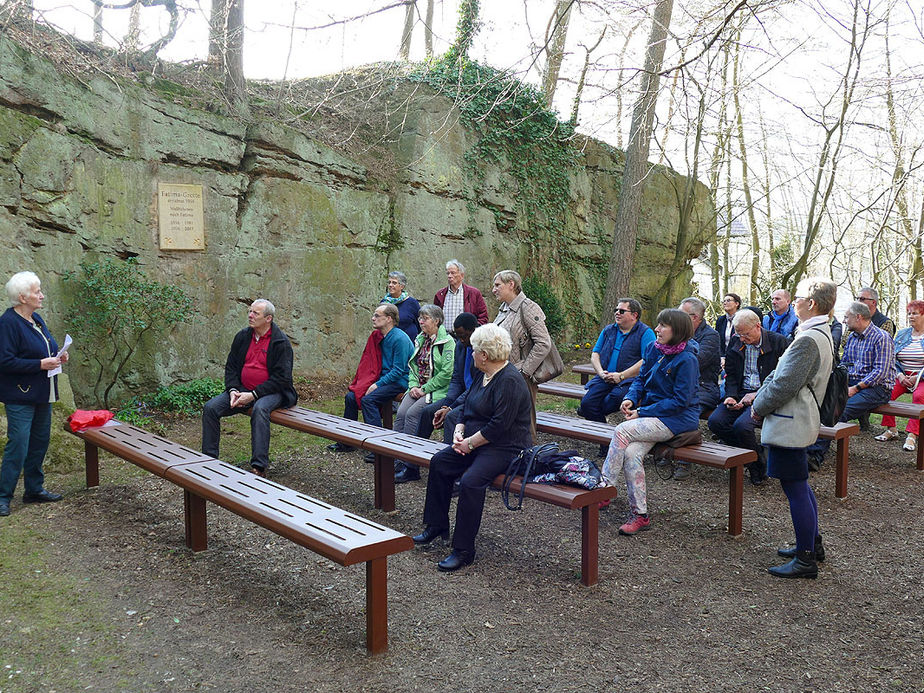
55 630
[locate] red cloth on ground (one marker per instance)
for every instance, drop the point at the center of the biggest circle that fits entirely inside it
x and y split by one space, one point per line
82 419
369 368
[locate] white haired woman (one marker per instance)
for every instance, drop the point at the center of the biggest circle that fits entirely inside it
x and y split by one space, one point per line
27 353
407 305
493 429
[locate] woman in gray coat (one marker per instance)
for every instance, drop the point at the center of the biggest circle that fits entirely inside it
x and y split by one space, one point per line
788 402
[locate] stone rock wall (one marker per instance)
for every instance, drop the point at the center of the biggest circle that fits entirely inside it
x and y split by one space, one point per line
286 217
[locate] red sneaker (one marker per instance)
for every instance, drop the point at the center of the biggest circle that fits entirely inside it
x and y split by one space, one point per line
636 524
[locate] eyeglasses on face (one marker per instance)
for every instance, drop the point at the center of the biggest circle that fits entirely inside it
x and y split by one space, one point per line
862 298
621 311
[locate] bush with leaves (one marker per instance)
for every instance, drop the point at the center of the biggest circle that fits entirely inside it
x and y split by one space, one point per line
115 307
542 293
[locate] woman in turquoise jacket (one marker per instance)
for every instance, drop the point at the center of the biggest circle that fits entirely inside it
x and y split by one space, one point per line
662 402
430 370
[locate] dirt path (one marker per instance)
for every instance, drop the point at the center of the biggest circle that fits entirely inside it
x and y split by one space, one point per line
682 607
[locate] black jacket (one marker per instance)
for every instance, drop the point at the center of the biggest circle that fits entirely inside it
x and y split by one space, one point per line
772 346
709 356
278 363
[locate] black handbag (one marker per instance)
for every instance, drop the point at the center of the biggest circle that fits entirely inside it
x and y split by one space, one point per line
527 465
832 405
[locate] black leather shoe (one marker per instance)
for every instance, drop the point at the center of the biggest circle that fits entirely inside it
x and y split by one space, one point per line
802 566
4 508
340 447
814 462
259 471
42 496
431 533
457 559
407 474
369 458
819 551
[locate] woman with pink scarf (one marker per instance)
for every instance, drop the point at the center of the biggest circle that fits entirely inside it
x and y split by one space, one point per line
663 402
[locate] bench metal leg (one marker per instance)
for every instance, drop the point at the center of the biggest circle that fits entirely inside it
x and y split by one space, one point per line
590 524
584 378
384 483
91 455
735 499
920 455
377 605
840 474
196 529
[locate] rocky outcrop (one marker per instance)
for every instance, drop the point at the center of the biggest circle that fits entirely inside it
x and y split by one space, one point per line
287 217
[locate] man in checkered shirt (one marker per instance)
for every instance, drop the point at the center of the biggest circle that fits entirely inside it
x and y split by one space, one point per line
869 355
459 297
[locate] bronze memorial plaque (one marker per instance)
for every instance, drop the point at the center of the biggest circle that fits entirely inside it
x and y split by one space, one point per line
179 215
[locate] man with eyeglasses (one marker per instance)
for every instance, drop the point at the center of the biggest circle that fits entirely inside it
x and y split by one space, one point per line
388 366
751 356
617 359
870 297
781 318
869 356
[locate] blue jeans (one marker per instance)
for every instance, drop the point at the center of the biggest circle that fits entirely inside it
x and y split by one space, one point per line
861 403
370 404
734 427
602 398
220 406
28 432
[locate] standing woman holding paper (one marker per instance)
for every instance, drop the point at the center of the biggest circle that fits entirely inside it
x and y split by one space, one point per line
27 353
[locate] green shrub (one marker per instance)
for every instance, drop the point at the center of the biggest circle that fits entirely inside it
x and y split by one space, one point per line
115 307
183 398
542 293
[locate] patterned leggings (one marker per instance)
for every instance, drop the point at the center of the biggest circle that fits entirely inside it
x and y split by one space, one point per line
631 442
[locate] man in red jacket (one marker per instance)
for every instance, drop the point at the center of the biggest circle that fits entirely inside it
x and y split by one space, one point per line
458 297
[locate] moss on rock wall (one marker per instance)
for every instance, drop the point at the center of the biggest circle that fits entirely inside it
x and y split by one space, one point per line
291 219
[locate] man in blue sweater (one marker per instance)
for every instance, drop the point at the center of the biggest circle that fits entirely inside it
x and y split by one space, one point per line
396 348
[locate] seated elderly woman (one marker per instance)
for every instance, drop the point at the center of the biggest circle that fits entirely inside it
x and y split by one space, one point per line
430 370
662 403
909 357
406 304
493 429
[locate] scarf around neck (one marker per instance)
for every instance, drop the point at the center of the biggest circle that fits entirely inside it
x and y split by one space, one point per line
670 349
391 299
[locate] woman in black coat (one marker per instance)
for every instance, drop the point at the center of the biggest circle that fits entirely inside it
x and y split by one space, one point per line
493 429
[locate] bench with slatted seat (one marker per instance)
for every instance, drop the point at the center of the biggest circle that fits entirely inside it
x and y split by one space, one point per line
336 534
708 454
840 432
388 446
906 410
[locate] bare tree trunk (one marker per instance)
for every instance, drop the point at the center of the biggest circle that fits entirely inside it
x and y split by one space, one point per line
218 31
917 266
765 155
622 63
830 154
556 35
234 57
715 174
133 36
636 170
428 30
579 91
410 9
753 289
97 21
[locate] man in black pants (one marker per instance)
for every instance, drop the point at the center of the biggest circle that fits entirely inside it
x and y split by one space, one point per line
258 376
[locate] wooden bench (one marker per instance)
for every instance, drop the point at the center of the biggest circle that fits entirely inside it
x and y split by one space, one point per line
389 446
708 454
586 371
336 534
906 410
840 432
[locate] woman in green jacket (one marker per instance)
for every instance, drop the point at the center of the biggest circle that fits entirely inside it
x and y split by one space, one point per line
428 380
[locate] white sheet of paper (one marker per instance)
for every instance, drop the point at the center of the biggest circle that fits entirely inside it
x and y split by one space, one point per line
67 342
